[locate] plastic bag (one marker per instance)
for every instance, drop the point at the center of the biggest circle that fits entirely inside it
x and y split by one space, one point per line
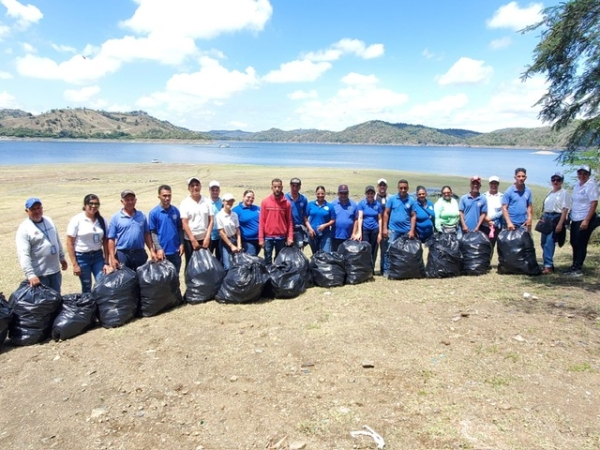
203 277
444 258
294 256
6 314
159 287
301 237
245 280
75 317
117 295
358 262
34 311
516 253
286 280
328 269
406 259
476 249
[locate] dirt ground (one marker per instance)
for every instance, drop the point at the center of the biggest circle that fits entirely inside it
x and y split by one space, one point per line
488 362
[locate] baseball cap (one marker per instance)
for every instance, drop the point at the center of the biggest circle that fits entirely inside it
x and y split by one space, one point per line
558 175
193 179
476 178
343 189
369 188
381 181
494 178
227 197
127 192
32 201
584 167
295 181
214 183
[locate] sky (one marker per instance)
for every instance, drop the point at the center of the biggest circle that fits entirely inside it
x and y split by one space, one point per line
288 64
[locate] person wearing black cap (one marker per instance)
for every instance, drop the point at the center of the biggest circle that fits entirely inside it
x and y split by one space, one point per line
370 213
39 249
346 218
583 216
556 207
299 203
128 231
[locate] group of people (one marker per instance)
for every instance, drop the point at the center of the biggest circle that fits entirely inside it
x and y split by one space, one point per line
96 247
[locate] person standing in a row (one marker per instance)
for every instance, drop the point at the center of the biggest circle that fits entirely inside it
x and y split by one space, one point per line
166 230
276 227
517 203
248 216
556 208
197 219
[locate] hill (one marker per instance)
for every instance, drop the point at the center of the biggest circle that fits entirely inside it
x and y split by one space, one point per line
82 123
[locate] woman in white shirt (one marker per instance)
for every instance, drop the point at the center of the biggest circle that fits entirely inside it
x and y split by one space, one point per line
87 244
583 217
228 225
556 207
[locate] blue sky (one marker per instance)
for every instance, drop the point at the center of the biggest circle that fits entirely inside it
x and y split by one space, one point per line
257 64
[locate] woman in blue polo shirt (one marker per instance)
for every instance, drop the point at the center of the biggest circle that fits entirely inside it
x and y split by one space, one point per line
370 213
425 214
320 216
248 216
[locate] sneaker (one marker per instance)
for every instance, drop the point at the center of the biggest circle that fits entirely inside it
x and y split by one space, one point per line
567 271
574 273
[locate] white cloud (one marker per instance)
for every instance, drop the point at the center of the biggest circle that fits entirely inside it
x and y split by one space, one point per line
7 100
63 48
167 48
444 107
81 95
4 31
238 125
428 54
513 17
346 47
199 19
356 79
24 14
297 71
466 71
5 75
77 70
28 48
498 44
302 95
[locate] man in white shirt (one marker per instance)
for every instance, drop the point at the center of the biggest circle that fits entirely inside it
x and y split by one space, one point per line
197 219
493 220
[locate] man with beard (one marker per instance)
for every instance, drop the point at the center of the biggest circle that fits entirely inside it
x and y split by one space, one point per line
276 226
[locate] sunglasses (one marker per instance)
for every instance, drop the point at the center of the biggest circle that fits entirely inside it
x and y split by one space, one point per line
92 204
556 180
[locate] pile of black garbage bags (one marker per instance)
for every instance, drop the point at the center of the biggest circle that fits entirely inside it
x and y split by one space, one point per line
33 314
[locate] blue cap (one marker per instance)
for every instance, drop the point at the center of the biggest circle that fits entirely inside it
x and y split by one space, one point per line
32 201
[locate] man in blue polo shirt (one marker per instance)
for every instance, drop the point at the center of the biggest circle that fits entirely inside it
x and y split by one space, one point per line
165 226
346 218
472 207
517 203
299 203
127 233
399 219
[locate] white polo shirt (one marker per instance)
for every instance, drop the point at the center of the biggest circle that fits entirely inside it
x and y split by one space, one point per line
227 222
581 199
88 233
198 214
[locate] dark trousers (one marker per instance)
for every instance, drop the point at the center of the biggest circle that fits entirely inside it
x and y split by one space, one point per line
132 258
215 248
579 242
370 236
174 259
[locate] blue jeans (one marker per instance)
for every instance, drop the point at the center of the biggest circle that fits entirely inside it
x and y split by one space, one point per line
383 247
250 246
370 236
90 263
175 259
53 281
321 242
270 245
548 246
225 252
392 237
132 258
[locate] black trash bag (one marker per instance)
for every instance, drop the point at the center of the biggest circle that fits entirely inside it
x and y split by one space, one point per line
328 269
159 287
357 261
406 259
6 314
294 256
286 281
444 259
34 310
476 249
516 253
75 317
203 277
245 280
117 295
301 237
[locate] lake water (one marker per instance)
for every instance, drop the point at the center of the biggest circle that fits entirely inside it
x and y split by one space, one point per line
461 161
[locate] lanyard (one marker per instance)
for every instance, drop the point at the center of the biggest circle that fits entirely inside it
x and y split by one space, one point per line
44 231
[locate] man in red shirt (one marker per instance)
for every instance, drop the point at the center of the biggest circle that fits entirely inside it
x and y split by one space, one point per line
276 227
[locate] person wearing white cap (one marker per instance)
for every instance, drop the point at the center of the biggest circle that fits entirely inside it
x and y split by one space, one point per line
197 219
556 207
39 249
228 225
214 188
583 216
493 219
382 196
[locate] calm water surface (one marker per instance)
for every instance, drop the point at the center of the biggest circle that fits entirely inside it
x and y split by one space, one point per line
461 161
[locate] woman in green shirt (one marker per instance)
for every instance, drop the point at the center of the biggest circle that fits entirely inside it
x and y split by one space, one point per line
447 216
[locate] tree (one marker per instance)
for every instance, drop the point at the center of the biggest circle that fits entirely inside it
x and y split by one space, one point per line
569 55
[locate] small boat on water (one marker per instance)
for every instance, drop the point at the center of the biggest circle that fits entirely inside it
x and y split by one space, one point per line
544 152
224 146
156 161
